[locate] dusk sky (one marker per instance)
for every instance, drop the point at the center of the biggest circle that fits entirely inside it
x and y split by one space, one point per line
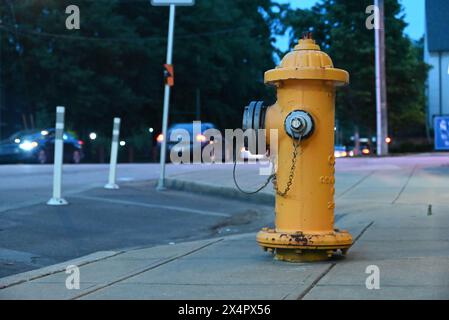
413 9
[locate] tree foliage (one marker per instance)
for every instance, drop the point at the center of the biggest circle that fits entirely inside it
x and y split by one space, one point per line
339 27
113 65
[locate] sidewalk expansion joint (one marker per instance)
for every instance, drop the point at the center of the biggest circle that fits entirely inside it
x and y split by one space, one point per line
315 282
356 184
362 232
98 288
325 272
405 184
60 267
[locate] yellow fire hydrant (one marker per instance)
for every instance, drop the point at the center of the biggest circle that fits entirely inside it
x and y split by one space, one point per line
304 182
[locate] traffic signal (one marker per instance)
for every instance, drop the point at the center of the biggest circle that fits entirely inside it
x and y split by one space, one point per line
169 75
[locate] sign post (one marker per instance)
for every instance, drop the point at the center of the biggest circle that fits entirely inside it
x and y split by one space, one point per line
171 28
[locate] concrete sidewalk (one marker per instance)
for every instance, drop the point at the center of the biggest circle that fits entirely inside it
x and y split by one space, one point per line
384 204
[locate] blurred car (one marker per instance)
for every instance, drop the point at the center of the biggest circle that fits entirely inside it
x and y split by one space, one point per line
340 152
177 145
38 147
364 150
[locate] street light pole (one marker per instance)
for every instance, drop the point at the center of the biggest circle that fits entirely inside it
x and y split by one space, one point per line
381 82
171 27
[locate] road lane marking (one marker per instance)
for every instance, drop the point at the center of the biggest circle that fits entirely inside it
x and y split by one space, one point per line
155 206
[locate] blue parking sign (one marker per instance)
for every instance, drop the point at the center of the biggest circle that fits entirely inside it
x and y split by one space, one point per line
441 133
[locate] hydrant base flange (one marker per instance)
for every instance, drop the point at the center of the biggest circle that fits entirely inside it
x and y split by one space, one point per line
296 256
304 247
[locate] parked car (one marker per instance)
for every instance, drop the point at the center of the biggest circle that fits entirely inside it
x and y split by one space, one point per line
176 144
38 147
340 152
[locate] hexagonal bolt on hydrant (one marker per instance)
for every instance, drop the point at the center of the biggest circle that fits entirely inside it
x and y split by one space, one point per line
304 116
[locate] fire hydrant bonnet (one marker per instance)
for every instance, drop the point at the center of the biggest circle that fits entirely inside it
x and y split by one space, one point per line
307 62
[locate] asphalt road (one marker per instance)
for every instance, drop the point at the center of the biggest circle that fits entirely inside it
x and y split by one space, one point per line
134 216
32 184
33 235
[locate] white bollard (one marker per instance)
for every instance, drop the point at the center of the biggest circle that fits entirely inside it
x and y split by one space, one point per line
114 153
57 200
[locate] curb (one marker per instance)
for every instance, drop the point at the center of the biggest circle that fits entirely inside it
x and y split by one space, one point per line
216 190
60 267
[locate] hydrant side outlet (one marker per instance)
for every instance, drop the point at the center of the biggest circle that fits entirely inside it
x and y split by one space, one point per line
304 113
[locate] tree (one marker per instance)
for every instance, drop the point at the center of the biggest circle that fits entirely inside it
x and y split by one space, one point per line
113 65
339 27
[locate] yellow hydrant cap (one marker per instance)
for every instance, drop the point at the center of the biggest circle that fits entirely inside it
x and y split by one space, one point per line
307 44
307 62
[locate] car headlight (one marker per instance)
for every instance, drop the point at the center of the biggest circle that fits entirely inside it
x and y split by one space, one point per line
28 145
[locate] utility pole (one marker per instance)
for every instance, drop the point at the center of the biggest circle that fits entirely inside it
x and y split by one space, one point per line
381 82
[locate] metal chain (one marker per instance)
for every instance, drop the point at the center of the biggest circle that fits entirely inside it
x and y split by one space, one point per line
249 192
296 149
296 145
